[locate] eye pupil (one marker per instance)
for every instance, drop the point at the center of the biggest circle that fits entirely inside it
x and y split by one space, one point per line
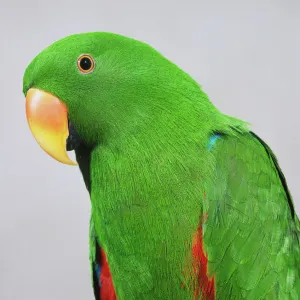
85 64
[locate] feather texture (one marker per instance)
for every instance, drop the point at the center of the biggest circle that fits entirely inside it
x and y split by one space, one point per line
204 286
251 234
102 280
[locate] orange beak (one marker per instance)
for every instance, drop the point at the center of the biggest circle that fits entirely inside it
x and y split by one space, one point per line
47 117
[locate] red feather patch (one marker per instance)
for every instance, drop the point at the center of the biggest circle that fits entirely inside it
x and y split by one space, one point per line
205 286
107 291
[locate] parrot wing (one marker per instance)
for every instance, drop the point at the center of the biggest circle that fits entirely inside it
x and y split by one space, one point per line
101 277
251 233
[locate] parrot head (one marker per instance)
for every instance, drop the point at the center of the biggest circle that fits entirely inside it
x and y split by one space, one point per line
93 87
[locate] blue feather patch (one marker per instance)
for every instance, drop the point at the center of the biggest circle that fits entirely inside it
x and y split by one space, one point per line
98 272
212 141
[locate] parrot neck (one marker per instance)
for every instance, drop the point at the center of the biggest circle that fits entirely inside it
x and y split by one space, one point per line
163 117
83 157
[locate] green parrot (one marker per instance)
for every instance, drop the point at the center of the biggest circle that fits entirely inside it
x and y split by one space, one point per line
186 202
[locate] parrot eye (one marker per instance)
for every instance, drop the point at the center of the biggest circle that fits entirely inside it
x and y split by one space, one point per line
85 63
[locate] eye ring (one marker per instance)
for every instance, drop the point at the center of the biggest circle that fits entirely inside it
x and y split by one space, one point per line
85 63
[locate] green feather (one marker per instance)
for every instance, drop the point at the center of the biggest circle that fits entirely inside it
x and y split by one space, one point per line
263 247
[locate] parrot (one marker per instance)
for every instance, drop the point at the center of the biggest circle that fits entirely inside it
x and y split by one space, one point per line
186 202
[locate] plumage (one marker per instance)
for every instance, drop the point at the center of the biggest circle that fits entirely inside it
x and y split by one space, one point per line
253 229
186 202
203 285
